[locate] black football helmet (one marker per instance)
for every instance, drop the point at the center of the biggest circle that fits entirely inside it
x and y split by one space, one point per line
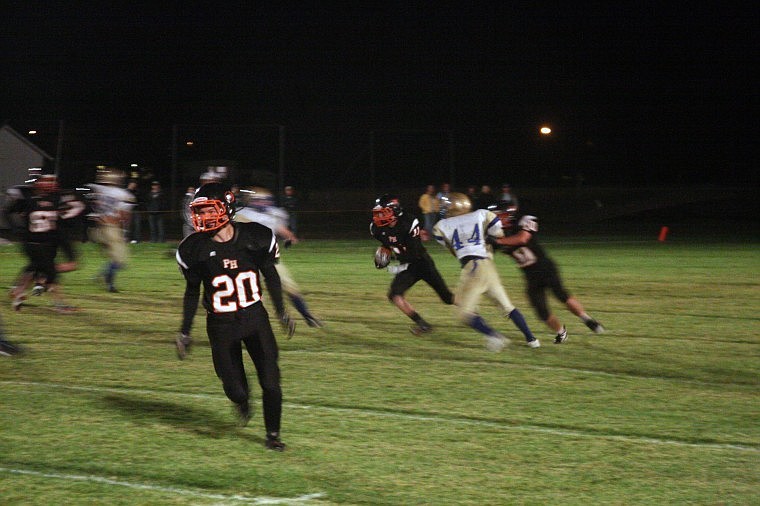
506 210
212 207
387 210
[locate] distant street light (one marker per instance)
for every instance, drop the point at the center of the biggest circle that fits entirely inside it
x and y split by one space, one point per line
545 130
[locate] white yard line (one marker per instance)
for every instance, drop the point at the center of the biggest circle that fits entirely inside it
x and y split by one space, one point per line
409 416
170 490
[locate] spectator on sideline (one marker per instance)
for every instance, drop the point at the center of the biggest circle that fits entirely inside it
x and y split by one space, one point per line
428 204
486 198
442 196
507 195
134 231
290 204
155 205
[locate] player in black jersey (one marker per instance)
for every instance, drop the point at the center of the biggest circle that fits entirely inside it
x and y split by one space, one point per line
540 271
400 233
229 259
39 210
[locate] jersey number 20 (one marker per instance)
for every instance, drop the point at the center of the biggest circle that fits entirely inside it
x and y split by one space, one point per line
234 294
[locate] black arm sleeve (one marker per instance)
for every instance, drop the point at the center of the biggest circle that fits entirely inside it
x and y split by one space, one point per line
274 286
190 305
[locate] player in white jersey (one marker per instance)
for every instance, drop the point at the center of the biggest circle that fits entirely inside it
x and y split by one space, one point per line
464 233
112 206
258 207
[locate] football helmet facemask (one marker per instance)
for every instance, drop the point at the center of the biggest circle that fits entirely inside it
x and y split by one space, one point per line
211 208
457 204
386 211
506 211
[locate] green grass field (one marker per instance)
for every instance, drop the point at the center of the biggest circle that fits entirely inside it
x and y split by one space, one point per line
662 409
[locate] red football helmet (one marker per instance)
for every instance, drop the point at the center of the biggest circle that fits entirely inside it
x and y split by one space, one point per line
45 184
386 211
506 211
212 208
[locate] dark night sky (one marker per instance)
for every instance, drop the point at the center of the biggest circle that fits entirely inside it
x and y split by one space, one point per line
645 91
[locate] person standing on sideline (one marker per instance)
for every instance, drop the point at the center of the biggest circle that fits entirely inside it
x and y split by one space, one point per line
485 198
442 197
228 259
156 207
290 204
428 204
541 273
135 226
464 233
507 195
400 232
112 205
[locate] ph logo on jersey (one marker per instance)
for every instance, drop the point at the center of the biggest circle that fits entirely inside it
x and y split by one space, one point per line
230 264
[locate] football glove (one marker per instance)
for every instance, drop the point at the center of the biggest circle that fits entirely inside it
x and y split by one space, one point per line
288 324
183 342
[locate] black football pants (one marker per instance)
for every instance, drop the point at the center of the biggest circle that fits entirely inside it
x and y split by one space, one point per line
226 334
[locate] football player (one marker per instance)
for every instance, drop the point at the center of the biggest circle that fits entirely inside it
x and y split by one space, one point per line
112 207
228 259
40 209
400 232
540 271
464 233
257 205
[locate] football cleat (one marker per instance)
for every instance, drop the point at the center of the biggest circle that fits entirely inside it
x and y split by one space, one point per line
183 342
38 290
313 322
496 342
273 443
18 302
8 350
561 336
534 343
423 328
595 326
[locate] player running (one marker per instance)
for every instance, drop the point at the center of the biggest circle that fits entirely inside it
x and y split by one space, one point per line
400 232
464 233
540 271
228 259
112 207
40 209
257 206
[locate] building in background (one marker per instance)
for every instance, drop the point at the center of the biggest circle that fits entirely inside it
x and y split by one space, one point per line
17 156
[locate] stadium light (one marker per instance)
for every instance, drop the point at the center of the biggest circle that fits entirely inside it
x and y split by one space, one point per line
545 130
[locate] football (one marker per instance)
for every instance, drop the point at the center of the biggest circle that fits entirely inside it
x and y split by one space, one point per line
382 257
